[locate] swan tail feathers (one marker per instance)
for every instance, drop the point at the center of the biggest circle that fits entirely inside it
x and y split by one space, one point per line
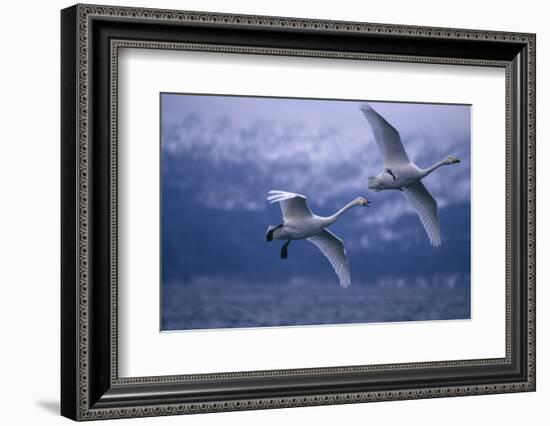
372 184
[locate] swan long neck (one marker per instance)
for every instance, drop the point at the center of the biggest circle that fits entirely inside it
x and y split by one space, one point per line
426 172
331 219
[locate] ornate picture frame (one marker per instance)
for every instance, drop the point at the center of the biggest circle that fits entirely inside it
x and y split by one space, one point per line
91 37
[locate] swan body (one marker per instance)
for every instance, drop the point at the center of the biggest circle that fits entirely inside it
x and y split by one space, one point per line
403 175
300 223
398 177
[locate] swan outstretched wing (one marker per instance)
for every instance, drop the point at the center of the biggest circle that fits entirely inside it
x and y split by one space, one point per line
293 206
387 138
333 249
426 208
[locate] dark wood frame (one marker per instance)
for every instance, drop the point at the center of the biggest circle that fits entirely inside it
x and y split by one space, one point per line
91 37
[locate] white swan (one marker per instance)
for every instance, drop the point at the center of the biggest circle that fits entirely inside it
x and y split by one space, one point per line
300 223
401 174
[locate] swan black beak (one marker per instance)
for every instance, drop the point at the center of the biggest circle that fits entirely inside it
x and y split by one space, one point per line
456 160
367 203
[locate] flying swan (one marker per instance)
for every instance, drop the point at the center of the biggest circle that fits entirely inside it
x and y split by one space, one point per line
300 223
401 174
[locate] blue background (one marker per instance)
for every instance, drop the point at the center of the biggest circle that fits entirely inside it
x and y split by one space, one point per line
220 157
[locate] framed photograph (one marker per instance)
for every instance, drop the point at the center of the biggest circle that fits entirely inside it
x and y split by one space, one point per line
263 212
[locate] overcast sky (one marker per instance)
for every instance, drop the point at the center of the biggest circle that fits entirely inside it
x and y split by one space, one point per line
323 149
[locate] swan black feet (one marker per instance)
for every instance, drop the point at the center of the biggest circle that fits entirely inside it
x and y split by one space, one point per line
390 173
270 231
284 250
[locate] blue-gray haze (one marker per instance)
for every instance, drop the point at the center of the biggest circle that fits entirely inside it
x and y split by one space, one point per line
220 157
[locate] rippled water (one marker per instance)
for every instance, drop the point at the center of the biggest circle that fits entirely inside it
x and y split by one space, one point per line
211 304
